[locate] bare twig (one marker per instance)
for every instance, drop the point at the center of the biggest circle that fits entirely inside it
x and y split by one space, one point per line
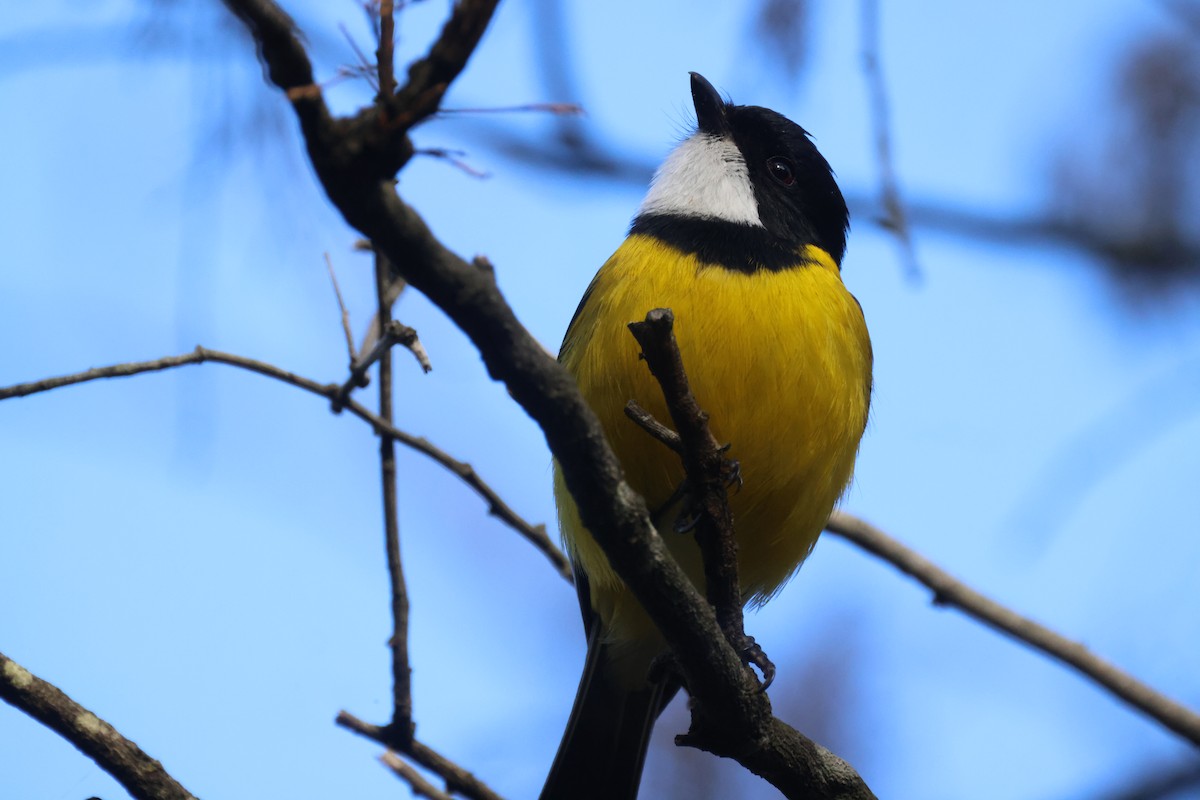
337 291
535 534
895 216
416 782
454 159
142 776
394 333
558 109
646 421
458 780
402 709
948 591
364 68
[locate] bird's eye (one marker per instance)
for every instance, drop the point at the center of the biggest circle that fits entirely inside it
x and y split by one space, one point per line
782 171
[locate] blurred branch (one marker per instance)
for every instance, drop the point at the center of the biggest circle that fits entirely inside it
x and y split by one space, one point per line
142 776
1160 783
948 591
337 292
357 169
385 53
895 217
587 158
534 534
405 771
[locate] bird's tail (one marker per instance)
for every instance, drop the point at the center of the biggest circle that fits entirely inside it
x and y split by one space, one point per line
604 746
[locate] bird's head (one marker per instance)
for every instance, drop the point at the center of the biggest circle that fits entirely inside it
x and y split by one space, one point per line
752 167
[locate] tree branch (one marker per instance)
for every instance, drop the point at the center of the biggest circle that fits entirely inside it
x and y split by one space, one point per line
407 773
142 776
458 780
394 333
534 534
708 473
402 708
429 77
948 591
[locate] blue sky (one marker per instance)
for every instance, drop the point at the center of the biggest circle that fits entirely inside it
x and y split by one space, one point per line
197 555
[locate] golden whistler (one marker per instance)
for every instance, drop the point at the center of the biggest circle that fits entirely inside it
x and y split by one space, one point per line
741 235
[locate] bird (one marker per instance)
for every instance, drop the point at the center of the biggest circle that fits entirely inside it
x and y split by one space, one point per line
741 234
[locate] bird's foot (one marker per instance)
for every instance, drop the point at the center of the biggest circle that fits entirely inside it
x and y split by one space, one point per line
752 654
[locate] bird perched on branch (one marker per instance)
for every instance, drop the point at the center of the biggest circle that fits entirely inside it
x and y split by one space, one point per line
742 235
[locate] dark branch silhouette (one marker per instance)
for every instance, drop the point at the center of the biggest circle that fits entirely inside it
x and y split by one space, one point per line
141 775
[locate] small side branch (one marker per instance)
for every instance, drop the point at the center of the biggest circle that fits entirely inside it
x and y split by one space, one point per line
646 421
458 780
394 333
142 776
409 774
534 534
947 591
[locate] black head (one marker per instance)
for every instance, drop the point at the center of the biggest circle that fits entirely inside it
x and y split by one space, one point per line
753 168
798 198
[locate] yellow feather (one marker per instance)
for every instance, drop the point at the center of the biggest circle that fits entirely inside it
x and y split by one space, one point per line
781 361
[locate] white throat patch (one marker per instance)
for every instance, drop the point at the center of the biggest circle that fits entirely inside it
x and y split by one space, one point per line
705 176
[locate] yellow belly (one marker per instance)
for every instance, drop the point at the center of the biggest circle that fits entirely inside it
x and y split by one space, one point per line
782 363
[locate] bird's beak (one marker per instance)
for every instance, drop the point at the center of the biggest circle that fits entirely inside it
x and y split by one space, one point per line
710 108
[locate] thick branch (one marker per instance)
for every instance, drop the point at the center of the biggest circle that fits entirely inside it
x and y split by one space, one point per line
429 77
141 775
534 534
948 591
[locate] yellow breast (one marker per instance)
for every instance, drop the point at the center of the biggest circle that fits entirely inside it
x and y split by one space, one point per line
782 363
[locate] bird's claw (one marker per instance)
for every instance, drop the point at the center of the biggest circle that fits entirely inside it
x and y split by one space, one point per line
752 654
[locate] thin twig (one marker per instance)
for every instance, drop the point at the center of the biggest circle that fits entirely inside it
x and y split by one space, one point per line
394 333
458 780
142 776
895 216
337 291
454 158
402 708
416 782
558 109
364 68
948 591
534 534
646 421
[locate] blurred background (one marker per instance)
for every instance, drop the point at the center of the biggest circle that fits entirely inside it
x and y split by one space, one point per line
196 555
